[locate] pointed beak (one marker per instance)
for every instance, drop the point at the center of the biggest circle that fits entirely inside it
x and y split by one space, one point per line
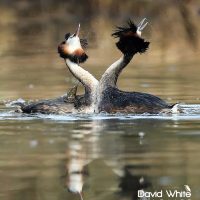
141 26
77 31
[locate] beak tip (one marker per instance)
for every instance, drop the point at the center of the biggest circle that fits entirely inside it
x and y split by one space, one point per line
78 30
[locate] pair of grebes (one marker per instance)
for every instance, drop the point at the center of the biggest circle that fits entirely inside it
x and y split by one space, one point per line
102 95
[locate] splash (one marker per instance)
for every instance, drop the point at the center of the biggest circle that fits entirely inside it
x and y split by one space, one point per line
190 112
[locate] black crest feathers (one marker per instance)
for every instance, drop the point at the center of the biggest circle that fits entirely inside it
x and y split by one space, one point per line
84 42
129 40
132 28
67 36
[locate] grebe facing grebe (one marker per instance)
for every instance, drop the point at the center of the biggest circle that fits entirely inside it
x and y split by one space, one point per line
72 51
110 98
103 95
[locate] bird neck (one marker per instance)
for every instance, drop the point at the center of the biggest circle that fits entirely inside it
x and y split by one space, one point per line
88 80
110 76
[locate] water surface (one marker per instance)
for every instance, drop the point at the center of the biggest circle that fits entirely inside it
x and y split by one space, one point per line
113 155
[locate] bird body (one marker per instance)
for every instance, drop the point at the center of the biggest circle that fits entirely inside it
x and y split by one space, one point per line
113 100
103 95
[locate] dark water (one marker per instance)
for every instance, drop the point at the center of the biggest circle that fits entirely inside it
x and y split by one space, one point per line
111 156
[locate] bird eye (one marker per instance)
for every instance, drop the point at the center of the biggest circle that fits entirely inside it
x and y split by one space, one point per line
67 36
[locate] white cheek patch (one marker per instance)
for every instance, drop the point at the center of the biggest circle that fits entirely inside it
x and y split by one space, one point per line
73 44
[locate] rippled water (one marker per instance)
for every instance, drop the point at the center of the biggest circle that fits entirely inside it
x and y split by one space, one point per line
112 156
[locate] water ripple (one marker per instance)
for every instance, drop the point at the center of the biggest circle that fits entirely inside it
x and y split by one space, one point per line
191 112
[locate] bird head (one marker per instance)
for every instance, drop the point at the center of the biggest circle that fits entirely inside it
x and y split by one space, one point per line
73 47
130 40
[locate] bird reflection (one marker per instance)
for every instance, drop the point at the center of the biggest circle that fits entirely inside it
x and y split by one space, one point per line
76 169
130 183
86 152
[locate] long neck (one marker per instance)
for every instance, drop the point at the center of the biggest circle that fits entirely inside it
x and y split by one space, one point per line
110 76
88 80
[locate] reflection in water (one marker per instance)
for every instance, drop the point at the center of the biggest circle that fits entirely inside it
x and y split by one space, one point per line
77 166
116 155
76 169
105 159
130 183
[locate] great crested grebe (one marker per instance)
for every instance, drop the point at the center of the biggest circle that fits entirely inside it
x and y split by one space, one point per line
103 95
72 51
110 98
61 105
